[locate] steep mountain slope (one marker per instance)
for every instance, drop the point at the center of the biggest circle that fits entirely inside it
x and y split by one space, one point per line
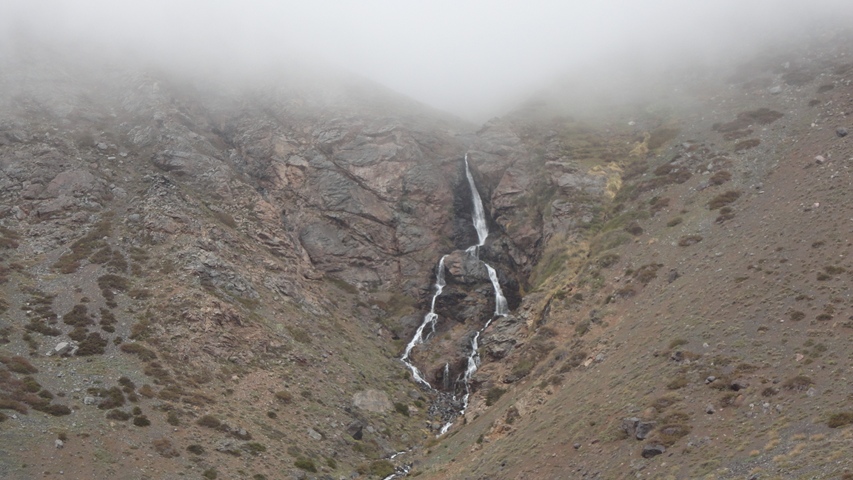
699 328
236 267
231 263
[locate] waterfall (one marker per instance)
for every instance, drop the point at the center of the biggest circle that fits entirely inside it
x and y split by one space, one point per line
429 320
479 214
501 307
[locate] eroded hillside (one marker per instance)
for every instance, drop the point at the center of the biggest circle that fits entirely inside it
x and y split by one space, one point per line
207 279
697 326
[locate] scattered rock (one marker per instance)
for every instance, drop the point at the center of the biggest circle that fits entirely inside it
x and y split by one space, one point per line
314 434
63 348
653 450
88 400
228 446
672 276
643 430
709 409
841 131
710 379
58 443
819 160
775 90
576 446
355 430
500 339
636 428
629 426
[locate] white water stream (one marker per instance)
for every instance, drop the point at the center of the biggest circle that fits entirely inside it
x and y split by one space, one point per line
479 213
501 307
429 321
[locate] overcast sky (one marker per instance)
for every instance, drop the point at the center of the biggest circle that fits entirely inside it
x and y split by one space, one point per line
470 57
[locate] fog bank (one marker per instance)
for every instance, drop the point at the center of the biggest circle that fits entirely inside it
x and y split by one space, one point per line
472 58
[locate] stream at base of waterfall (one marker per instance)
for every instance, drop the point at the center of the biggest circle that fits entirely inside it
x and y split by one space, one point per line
427 327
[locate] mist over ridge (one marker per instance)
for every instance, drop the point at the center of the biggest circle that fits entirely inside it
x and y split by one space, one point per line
474 59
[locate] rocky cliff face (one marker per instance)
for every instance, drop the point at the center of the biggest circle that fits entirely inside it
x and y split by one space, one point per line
278 239
275 241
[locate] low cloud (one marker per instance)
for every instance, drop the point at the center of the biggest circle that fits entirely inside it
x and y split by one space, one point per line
473 58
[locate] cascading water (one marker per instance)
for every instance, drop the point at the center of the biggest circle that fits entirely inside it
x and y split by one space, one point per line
479 213
429 320
501 307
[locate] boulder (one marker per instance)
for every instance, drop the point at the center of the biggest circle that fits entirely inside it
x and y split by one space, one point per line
69 183
636 428
653 450
63 348
465 268
643 430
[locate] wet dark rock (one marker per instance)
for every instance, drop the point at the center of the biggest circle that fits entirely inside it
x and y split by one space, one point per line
653 450
356 430
464 267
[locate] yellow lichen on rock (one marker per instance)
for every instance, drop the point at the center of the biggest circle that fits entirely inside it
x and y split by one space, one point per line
613 173
641 149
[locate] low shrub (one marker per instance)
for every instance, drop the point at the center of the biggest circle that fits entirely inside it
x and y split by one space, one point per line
798 383
493 395
840 419
723 199
284 396
674 222
401 408
139 350
747 144
209 421
164 447
307 465
141 421
93 344
688 240
18 364
720 178
119 415
195 449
